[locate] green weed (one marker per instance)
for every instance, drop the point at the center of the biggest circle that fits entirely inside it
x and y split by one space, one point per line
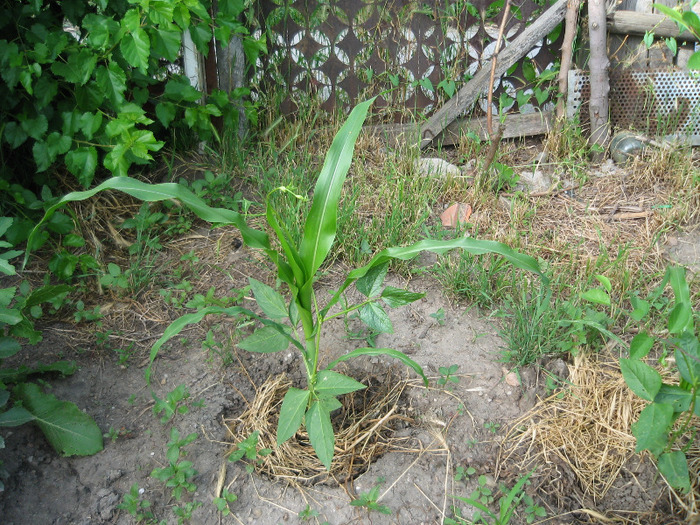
174 403
369 500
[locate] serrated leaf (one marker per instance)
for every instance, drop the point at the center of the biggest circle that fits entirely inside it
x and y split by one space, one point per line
640 345
268 299
292 413
265 340
15 417
370 284
166 111
8 347
674 467
320 430
70 431
332 383
642 379
651 430
395 297
376 318
112 82
597 296
167 44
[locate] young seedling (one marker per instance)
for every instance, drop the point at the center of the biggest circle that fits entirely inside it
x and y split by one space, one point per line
222 503
248 449
369 500
178 474
298 318
483 496
464 473
172 404
439 316
447 375
308 513
135 505
492 426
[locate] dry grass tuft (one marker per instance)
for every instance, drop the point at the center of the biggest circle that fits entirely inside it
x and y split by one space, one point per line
587 432
364 426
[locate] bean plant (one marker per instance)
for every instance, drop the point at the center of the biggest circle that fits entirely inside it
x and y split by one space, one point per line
298 317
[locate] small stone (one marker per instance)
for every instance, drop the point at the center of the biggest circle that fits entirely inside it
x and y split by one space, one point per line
535 181
433 167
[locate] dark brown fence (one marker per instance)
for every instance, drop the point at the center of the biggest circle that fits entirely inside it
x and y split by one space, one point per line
415 54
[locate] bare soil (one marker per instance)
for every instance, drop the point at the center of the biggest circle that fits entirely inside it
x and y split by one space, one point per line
463 426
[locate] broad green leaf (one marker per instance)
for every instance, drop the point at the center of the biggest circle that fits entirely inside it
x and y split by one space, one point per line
320 430
166 112
15 417
370 284
376 318
7 268
292 413
167 44
69 430
395 297
18 375
57 144
680 318
674 467
10 316
672 14
82 162
42 158
161 192
4 397
640 345
269 300
332 383
100 28
381 351
597 296
651 430
605 282
692 21
89 123
694 61
112 82
679 398
47 294
330 403
676 278
642 379
687 354
78 68
9 346
265 340
201 36
320 227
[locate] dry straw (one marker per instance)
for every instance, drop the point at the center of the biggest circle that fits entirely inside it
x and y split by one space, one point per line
585 430
364 429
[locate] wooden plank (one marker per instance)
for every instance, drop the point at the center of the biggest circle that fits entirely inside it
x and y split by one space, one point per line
468 95
516 126
633 23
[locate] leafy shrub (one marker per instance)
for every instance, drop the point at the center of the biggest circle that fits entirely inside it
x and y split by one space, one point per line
86 84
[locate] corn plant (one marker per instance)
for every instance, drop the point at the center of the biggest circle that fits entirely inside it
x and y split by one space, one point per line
298 318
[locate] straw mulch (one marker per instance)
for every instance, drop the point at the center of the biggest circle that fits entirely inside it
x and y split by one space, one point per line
585 430
364 428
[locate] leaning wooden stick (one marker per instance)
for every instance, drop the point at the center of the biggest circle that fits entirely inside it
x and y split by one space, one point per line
492 80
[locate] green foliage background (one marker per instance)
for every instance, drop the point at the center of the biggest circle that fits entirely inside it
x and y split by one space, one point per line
90 84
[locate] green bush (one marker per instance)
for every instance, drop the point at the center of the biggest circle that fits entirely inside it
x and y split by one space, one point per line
89 84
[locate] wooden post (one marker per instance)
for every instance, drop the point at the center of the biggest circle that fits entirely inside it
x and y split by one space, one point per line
567 51
600 83
469 94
